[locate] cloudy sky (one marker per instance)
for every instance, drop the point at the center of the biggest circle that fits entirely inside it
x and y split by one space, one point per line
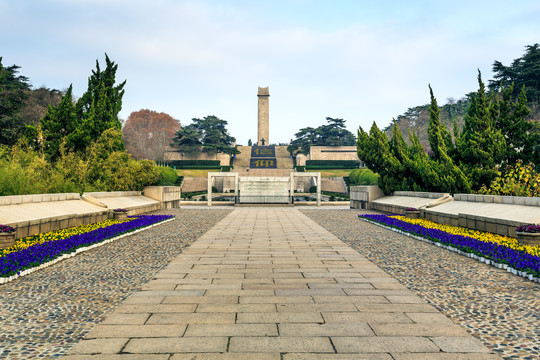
360 60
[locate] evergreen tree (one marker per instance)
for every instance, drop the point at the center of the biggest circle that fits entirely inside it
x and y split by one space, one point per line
98 108
59 122
208 135
523 72
13 92
449 177
188 140
374 150
480 147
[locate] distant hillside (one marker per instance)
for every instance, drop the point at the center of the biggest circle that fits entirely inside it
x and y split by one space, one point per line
416 119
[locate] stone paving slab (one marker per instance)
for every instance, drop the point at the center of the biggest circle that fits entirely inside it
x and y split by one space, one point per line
269 283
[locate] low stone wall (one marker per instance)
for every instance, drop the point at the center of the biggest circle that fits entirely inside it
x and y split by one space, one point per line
34 214
427 195
168 196
37 198
361 197
499 199
132 201
491 213
40 213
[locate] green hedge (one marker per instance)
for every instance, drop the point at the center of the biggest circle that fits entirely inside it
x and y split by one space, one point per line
168 176
194 164
332 164
200 167
363 177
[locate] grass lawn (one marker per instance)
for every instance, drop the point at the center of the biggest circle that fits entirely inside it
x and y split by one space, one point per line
194 172
333 173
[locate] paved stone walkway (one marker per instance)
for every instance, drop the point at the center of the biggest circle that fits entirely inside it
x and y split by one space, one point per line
269 283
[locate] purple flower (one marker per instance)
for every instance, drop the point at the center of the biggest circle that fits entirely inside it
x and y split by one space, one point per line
517 259
120 210
531 228
35 255
6 229
411 209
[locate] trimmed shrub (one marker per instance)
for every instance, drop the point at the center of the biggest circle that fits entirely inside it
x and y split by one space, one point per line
194 164
332 164
363 177
167 176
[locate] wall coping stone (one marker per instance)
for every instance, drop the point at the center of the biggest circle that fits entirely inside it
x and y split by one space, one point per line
110 194
37 198
499 199
429 195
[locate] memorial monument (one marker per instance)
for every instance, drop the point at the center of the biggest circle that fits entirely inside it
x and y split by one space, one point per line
262 136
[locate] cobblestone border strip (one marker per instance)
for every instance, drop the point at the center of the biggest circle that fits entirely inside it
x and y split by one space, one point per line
470 255
5 280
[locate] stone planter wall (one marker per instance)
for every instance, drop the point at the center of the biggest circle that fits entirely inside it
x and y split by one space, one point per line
168 196
7 239
362 196
531 239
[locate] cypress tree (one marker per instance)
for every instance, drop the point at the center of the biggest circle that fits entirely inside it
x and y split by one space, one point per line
481 147
98 107
59 121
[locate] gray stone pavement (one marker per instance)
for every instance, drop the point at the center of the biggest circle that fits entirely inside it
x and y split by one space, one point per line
270 283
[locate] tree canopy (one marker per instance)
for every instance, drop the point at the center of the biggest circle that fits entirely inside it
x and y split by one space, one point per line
209 135
332 134
523 72
76 125
13 93
147 133
495 133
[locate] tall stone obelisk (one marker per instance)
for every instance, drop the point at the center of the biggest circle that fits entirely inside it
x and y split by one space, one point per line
263 137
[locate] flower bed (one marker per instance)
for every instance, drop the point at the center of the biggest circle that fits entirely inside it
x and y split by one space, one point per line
35 251
503 252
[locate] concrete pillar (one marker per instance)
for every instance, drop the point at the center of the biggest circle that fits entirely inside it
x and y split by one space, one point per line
291 187
209 189
319 185
236 180
263 116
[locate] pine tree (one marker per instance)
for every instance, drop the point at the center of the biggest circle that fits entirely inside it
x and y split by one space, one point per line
13 92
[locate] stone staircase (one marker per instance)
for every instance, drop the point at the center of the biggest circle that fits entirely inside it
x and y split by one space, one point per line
241 163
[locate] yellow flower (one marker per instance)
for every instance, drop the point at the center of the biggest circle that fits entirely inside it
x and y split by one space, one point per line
26 242
480 235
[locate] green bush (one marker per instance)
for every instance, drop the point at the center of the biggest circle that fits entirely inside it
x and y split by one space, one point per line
300 169
332 164
363 177
102 167
167 176
193 164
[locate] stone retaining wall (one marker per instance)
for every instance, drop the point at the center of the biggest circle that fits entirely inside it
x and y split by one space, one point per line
361 197
491 213
40 213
